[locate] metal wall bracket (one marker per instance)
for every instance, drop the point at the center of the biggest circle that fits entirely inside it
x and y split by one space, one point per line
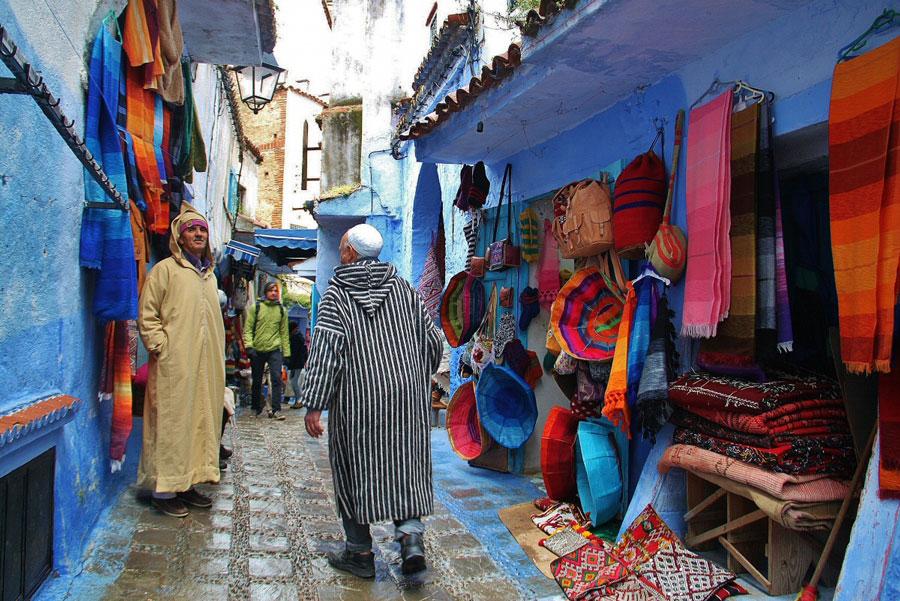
11 85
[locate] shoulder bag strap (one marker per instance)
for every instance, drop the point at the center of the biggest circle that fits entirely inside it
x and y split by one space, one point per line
679 131
503 184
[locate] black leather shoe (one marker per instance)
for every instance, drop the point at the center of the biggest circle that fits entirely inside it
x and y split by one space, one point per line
412 552
222 465
361 565
225 453
174 507
193 498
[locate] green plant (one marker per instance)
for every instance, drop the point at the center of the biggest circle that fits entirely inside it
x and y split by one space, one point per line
338 191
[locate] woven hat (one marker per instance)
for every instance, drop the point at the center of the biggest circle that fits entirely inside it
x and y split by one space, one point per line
506 406
638 204
597 471
585 316
462 308
558 454
463 427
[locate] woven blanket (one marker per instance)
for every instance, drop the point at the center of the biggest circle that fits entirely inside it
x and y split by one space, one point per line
615 399
115 385
819 417
141 107
735 339
783 324
766 320
889 434
808 488
804 456
431 282
704 391
707 289
649 562
692 421
864 151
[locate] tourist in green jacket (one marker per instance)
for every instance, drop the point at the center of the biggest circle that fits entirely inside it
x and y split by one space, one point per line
267 340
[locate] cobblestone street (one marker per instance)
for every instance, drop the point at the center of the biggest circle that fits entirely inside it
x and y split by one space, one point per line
273 519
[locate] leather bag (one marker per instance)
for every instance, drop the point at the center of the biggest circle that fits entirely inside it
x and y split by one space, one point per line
503 254
583 218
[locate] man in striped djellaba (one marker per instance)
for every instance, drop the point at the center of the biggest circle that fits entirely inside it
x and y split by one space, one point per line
373 351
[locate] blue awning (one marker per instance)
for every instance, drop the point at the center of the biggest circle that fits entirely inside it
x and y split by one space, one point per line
292 239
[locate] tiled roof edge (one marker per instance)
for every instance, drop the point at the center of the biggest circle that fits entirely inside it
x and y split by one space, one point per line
36 416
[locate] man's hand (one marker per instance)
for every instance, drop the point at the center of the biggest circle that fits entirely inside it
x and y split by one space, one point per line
314 423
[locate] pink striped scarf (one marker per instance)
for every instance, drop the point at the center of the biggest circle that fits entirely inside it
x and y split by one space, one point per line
707 290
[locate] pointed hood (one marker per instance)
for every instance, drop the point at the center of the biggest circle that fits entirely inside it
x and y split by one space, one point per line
368 282
187 214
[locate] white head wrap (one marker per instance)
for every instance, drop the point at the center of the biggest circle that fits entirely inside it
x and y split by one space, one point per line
365 240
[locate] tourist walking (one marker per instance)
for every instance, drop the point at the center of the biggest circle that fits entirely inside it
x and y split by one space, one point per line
268 343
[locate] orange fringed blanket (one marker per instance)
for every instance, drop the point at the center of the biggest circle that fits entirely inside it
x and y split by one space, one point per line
864 147
615 402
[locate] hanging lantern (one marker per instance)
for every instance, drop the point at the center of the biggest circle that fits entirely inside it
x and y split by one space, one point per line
257 83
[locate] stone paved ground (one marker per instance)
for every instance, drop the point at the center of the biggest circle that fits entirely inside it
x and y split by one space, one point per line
273 519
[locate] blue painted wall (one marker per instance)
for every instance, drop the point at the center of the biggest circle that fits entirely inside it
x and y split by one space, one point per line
49 342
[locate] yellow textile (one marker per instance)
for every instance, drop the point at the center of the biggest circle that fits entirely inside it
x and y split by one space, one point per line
181 325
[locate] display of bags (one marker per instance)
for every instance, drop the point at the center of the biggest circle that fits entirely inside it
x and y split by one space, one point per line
502 254
582 222
638 203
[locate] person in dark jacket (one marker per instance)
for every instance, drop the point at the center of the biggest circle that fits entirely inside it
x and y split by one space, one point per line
297 361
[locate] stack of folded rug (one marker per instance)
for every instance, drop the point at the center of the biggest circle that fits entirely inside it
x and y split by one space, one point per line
791 425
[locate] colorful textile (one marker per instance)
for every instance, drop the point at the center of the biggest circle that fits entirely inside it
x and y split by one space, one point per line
463 427
864 164
889 434
115 385
548 268
107 244
813 488
470 231
765 228
560 516
530 230
734 343
566 540
828 414
653 408
589 391
785 330
615 401
707 291
649 562
704 391
141 107
431 282
639 337
803 456
462 308
696 423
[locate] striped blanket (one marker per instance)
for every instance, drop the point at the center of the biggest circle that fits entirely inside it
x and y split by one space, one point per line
735 340
765 226
115 385
864 163
707 289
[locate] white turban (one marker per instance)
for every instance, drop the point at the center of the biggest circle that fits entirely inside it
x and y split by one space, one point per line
365 240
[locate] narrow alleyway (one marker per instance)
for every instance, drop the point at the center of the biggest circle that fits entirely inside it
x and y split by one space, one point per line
273 519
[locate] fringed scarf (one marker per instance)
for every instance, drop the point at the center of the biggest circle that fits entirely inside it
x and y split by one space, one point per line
707 290
734 344
115 385
615 401
653 407
765 224
864 163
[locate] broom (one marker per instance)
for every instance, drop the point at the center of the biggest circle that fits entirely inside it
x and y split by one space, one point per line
810 592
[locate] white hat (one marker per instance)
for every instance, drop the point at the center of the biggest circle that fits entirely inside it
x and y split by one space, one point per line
365 240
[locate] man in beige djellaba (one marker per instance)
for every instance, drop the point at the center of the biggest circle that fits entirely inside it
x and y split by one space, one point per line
181 326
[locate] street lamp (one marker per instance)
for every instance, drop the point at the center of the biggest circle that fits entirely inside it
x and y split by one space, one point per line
257 83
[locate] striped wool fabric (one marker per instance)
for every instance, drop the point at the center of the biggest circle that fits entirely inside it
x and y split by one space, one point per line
707 288
373 352
735 340
141 123
864 163
765 225
470 231
530 228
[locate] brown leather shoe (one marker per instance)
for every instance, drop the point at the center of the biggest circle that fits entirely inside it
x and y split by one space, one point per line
174 507
193 498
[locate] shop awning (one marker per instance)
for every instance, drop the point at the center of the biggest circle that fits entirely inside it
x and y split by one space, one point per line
242 252
581 62
290 239
307 268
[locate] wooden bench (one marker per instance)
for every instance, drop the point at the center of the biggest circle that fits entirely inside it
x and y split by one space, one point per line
776 557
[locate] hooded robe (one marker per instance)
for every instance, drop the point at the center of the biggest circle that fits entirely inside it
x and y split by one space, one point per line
374 349
181 325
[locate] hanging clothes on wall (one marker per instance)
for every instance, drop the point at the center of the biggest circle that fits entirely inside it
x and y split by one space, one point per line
766 320
548 270
115 385
141 123
707 290
106 239
864 152
171 46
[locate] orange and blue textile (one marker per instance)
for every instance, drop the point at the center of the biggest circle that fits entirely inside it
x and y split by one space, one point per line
864 186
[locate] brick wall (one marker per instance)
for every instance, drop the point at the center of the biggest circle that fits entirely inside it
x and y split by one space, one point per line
267 130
